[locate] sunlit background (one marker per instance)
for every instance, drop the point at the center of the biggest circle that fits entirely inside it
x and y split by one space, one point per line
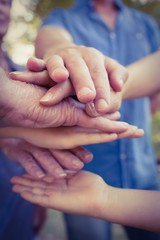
27 15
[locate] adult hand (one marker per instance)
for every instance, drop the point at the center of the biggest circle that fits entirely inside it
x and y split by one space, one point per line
20 106
90 72
37 74
45 163
83 193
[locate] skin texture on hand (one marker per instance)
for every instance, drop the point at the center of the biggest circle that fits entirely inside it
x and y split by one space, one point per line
94 75
45 163
37 74
21 107
86 193
83 191
66 137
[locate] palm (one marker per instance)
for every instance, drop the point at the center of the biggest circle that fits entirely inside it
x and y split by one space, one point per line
77 194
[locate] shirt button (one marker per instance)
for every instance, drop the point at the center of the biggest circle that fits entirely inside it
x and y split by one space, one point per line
139 35
123 156
112 35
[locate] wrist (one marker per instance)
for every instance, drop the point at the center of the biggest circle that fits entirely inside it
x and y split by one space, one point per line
54 50
108 203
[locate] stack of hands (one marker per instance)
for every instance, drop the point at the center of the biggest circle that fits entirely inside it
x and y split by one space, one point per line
58 105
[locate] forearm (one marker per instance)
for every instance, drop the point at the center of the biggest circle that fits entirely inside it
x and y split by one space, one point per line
58 37
136 208
144 77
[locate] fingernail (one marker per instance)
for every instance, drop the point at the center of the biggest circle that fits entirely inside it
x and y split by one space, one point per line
121 82
125 125
90 109
47 97
102 105
77 163
85 91
88 157
40 174
60 173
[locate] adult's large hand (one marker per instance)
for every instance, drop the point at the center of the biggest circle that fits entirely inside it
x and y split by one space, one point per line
45 163
89 71
37 74
20 106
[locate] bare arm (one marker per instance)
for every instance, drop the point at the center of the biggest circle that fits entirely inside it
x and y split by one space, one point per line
144 77
20 106
136 208
87 194
66 137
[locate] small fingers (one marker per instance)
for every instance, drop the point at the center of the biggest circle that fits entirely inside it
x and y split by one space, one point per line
131 132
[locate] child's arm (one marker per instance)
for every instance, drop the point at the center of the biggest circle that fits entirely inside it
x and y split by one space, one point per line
144 77
87 194
67 137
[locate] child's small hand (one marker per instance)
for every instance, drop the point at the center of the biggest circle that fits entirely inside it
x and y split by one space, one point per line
80 194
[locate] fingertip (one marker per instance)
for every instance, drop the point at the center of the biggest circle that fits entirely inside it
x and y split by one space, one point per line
36 64
101 106
86 95
88 157
47 98
59 75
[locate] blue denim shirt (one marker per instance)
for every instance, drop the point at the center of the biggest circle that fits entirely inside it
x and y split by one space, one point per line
128 162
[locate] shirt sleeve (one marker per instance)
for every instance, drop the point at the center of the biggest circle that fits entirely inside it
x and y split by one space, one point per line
54 18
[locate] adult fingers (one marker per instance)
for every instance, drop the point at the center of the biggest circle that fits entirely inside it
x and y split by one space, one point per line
56 68
39 78
57 93
95 62
85 155
48 162
68 160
